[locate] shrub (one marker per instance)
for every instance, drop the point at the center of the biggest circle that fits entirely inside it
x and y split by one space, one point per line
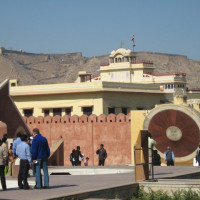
161 195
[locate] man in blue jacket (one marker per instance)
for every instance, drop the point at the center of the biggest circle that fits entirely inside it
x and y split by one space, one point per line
40 154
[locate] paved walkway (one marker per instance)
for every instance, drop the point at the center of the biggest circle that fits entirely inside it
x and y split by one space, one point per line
63 185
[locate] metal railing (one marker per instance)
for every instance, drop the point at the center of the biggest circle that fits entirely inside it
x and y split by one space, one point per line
145 163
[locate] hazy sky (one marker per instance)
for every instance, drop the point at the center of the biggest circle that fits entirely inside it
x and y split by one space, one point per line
96 27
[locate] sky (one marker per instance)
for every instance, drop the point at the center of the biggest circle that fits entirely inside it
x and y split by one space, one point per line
96 27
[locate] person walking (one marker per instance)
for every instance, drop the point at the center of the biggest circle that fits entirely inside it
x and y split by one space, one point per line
102 155
3 158
40 154
169 157
24 154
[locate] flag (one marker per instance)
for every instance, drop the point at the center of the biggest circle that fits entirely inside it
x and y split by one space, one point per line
133 39
122 43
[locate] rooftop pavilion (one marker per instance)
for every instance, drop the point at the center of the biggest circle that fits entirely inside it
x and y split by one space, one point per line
123 67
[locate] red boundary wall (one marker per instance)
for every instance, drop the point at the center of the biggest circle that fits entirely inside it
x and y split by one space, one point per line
88 133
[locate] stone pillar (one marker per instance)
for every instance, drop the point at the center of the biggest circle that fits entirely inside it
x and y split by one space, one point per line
180 96
139 140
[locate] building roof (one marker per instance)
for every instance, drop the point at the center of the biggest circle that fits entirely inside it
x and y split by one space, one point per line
98 86
122 51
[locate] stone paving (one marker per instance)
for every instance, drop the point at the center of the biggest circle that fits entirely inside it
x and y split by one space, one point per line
63 185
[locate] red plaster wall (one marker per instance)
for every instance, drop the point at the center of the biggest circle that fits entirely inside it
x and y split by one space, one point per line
88 133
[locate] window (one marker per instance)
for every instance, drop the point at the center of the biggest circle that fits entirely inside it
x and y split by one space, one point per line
87 110
28 112
127 75
46 112
140 108
112 75
57 111
68 111
13 84
124 111
111 110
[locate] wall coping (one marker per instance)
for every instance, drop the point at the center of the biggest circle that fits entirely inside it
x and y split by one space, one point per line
111 118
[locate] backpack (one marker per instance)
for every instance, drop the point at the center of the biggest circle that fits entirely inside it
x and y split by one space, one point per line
71 158
169 156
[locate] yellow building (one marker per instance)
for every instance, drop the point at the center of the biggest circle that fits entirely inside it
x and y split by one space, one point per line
124 84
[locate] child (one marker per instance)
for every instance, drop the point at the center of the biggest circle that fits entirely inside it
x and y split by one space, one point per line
86 161
10 160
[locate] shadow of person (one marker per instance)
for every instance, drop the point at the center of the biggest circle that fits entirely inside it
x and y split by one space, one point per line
60 186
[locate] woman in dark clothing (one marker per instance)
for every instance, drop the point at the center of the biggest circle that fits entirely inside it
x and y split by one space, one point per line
156 158
77 156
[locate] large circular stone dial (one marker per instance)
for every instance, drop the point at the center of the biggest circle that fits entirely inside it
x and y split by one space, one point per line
175 129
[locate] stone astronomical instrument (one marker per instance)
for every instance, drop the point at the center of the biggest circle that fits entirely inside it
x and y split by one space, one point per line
177 126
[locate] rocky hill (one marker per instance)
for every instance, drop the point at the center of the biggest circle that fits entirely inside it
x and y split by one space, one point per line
31 68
